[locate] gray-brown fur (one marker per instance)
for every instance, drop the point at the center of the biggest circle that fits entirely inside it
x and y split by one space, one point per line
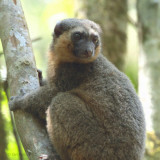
93 112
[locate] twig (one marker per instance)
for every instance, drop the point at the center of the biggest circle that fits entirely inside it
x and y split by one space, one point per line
132 22
36 39
5 87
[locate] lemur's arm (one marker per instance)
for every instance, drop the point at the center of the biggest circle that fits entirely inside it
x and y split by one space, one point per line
35 102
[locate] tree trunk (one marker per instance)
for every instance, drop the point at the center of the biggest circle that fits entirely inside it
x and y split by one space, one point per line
149 75
112 17
22 73
3 143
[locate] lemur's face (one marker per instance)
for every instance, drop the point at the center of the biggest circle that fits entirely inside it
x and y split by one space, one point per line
80 43
85 42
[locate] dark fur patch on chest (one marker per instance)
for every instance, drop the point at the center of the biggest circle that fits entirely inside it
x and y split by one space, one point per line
70 75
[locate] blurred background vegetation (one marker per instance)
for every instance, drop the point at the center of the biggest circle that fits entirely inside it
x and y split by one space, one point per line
119 23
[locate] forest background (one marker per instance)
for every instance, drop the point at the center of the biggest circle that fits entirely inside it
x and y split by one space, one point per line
131 31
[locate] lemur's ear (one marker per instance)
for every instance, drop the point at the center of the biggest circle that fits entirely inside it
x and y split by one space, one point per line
99 29
58 30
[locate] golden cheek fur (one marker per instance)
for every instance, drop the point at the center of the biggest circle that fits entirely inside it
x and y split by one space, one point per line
63 50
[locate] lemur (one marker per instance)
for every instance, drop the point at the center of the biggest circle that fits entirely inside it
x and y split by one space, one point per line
91 108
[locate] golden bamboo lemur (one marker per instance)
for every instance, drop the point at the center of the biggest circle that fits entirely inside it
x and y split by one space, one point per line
93 112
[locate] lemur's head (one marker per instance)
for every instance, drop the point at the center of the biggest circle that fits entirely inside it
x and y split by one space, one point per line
76 40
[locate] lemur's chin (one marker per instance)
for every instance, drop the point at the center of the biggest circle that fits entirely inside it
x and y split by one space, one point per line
85 55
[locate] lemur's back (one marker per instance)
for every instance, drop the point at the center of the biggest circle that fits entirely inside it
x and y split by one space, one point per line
111 101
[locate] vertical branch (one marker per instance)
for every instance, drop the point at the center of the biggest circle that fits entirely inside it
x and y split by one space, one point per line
22 73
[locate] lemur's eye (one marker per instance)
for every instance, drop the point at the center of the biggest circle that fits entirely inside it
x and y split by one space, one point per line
77 36
95 39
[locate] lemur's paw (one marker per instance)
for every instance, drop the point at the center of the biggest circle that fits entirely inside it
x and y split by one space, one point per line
13 103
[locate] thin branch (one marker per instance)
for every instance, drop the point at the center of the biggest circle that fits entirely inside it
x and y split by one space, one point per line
132 22
15 133
36 39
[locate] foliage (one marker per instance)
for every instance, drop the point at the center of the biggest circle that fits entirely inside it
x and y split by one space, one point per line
152 146
11 150
3 142
131 71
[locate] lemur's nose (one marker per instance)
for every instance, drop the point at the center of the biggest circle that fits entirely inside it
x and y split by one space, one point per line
88 53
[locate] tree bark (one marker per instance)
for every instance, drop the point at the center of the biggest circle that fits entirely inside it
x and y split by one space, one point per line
112 17
149 75
22 73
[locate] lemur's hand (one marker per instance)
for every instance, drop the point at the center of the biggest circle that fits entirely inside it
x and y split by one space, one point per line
42 82
15 101
40 76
